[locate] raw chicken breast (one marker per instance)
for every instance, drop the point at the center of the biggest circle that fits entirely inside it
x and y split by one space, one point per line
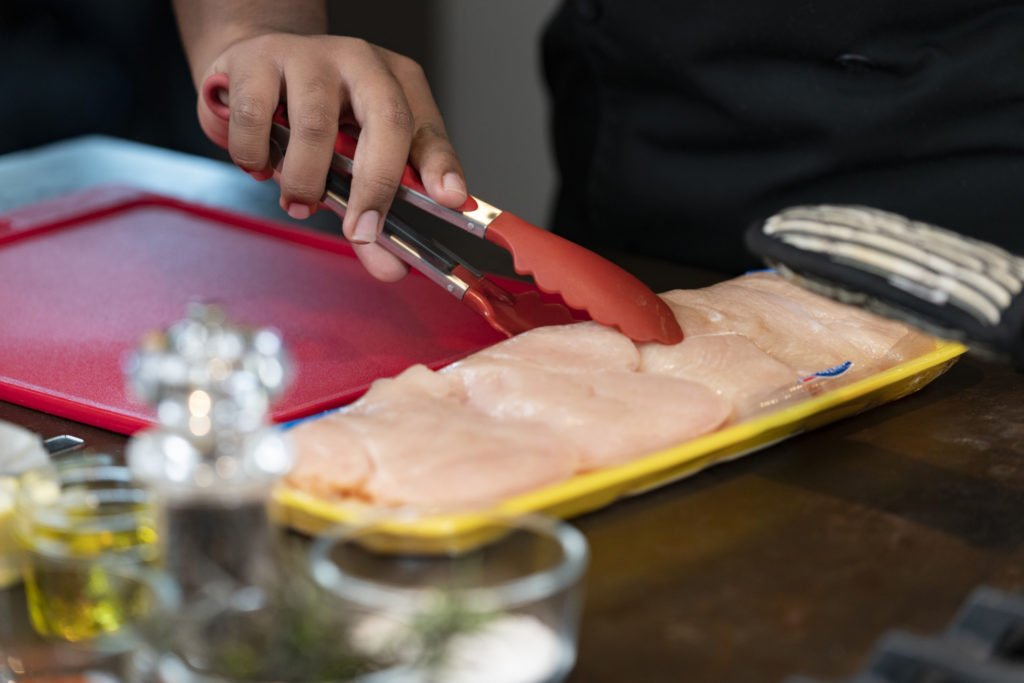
610 417
732 365
412 440
332 461
870 334
585 347
911 345
540 407
416 381
441 453
779 327
881 342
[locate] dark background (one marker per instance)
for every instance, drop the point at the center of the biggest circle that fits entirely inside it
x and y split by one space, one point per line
116 67
94 67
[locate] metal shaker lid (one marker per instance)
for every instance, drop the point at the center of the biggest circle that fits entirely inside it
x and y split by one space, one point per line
211 382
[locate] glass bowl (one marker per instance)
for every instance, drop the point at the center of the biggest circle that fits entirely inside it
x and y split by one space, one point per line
500 604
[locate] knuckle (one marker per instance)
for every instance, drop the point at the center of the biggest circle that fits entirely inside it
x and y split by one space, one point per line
360 47
431 133
315 123
317 86
379 188
248 111
249 157
408 68
444 160
303 189
398 115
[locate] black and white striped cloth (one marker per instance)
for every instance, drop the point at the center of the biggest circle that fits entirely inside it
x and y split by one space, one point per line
949 284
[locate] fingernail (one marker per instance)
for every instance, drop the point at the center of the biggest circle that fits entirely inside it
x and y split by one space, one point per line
299 212
366 228
261 175
453 183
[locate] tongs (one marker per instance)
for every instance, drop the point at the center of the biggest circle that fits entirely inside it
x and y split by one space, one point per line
584 280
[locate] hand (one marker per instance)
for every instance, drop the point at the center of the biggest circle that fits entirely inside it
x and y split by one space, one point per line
327 81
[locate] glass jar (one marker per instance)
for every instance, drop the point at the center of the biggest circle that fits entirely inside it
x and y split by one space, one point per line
78 533
20 451
10 573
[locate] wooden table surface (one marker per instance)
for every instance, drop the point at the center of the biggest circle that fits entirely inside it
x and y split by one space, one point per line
793 560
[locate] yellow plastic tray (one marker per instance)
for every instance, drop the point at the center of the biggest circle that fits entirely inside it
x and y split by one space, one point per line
586 492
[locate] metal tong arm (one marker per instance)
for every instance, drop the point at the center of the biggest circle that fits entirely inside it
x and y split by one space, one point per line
474 216
427 255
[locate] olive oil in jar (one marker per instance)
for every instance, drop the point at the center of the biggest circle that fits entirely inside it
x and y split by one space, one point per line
21 451
78 541
9 570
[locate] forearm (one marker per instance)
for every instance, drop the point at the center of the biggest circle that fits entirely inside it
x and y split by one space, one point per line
208 28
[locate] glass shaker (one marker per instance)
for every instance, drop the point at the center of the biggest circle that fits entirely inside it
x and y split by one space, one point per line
212 459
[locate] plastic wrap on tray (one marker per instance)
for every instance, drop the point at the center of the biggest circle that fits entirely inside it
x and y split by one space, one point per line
565 419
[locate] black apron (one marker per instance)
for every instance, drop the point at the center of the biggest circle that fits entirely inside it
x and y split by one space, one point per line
679 122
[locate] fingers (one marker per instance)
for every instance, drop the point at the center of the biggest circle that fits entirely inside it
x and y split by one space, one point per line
431 153
380 107
314 107
332 81
253 97
380 263
212 125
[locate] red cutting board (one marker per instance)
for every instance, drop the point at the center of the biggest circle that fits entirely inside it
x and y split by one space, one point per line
83 277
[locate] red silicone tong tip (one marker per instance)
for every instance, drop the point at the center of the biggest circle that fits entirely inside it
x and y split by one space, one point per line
509 313
586 281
